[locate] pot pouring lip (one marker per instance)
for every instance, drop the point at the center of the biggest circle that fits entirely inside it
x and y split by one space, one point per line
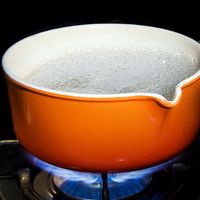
102 97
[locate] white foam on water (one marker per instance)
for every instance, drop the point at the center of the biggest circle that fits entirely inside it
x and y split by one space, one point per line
114 70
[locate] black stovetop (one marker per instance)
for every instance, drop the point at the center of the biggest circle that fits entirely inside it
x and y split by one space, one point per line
179 181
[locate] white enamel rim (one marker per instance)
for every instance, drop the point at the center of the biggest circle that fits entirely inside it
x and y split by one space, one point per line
162 100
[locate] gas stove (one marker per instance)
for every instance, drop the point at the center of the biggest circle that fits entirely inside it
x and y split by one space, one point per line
25 177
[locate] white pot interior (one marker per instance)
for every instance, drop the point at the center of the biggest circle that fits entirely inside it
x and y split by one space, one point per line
105 60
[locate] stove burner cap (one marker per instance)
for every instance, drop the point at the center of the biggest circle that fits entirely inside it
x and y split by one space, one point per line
92 191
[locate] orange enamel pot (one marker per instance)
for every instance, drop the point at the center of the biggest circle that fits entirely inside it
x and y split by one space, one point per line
100 133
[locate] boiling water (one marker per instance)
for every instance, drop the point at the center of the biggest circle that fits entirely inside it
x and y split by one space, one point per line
113 71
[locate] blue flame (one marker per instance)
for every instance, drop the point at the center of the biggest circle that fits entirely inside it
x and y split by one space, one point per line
86 177
129 187
84 185
124 176
93 177
79 189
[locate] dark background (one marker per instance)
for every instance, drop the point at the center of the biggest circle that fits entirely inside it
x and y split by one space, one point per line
21 19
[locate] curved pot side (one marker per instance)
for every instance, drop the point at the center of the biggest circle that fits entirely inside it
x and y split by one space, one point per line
103 136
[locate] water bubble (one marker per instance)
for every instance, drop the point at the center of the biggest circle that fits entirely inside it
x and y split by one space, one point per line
110 70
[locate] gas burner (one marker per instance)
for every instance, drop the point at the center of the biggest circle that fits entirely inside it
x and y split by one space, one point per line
46 186
104 186
37 180
52 182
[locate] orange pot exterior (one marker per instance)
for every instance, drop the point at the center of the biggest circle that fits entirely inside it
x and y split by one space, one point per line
103 135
